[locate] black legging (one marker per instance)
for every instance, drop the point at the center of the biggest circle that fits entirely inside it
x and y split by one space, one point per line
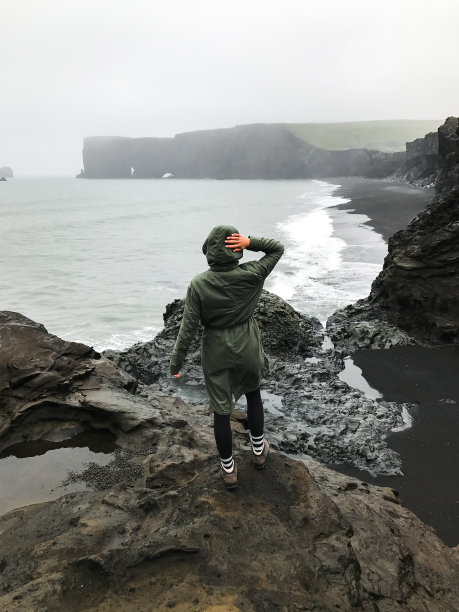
222 427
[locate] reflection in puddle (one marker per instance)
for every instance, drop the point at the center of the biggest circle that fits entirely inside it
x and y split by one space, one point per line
189 393
197 394
327 344
31 472
352 375
272 403
96 441
311 360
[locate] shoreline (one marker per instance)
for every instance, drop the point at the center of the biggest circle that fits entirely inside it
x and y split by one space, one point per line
389 206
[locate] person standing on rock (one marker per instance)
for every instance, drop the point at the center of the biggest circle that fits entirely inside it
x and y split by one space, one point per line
224 299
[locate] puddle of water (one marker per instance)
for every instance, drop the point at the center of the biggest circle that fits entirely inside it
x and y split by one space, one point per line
407 421
189 393
95 441
31 472
352 375
197 394
327 344
271 402
311 360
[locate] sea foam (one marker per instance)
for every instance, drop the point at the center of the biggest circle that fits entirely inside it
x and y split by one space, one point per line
320 271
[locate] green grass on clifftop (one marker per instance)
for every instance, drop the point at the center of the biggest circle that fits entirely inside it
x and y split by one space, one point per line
378 135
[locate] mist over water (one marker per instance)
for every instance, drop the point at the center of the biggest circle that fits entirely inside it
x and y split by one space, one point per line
97 261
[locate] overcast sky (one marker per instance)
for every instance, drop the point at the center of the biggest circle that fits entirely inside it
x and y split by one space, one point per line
75 68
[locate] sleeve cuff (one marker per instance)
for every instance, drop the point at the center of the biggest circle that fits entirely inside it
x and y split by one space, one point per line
255 244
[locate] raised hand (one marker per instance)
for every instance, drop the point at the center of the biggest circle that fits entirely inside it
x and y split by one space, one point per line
237 242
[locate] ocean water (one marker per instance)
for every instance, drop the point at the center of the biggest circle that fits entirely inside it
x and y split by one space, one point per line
97 261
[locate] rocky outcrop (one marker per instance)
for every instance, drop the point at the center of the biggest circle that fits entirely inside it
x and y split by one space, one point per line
422 161
432 161
418 288
6 172
448 149
284 332
259 151
61 386
419 283
164 533
364 325
310 410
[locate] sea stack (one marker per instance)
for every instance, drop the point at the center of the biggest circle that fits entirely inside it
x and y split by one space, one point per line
6 172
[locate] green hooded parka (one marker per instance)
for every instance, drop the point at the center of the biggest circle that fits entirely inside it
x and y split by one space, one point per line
224 299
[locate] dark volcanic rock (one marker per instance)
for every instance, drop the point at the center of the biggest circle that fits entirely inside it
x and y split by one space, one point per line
51 389
434 159
259 151
365 325
418 288
448 149
420 279
422 160
161 532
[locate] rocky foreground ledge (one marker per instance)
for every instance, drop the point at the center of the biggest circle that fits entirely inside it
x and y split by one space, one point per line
156 530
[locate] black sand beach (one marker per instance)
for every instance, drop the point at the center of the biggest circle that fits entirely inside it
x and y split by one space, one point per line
422 376
390 206
429 449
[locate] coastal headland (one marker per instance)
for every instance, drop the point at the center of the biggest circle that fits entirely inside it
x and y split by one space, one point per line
270 151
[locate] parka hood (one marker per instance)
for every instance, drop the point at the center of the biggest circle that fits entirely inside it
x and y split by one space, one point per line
214 248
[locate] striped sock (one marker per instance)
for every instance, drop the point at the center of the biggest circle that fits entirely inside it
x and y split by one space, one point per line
258 443
228 464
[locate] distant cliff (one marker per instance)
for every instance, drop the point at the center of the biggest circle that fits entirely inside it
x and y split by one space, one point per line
258 151
6 171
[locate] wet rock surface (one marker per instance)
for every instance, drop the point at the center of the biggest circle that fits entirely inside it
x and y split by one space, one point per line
159 531
52 389
419 282
366 325
309 409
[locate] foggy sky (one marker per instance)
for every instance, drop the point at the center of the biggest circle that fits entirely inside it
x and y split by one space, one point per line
75 68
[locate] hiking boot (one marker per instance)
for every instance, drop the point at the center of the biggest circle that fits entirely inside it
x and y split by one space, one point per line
259 461
230 478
